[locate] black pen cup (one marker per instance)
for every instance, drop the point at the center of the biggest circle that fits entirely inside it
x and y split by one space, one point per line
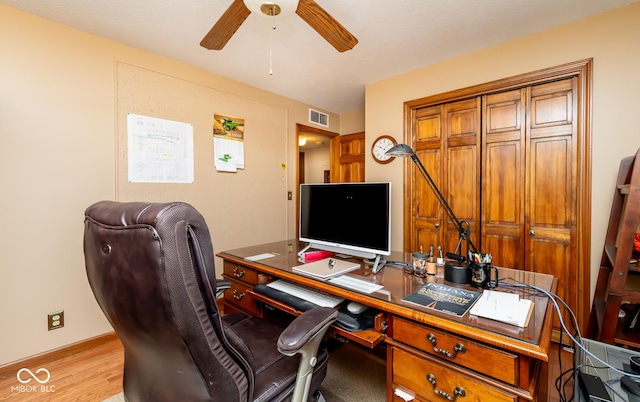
483 275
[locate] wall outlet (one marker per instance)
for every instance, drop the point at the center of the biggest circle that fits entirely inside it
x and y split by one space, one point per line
55 320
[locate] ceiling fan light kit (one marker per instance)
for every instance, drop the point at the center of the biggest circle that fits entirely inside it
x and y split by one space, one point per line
314 15
282 8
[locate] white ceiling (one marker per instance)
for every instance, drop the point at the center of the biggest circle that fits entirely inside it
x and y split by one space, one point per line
395 36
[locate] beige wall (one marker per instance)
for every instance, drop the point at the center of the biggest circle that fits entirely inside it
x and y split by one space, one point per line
316 161
352 122
59 152
611 39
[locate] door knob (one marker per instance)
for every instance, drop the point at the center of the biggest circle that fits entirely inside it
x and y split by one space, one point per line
532 233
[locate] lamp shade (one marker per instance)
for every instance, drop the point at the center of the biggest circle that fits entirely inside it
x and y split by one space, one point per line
400 150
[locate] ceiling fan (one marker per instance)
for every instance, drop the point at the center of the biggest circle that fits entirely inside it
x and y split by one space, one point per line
308 10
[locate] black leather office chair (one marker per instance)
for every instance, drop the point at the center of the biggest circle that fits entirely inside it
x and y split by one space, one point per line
151 269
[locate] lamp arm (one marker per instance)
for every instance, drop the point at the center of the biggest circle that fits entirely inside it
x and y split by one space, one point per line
462 231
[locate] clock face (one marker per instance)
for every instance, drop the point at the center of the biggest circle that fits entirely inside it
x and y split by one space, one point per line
380 147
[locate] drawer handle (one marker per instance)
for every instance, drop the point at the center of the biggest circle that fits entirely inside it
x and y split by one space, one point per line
459 391
459 348
237 296
238 274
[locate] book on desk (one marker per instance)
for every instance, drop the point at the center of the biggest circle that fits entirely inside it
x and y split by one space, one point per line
448 299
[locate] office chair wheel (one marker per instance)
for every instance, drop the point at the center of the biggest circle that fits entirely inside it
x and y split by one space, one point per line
318 397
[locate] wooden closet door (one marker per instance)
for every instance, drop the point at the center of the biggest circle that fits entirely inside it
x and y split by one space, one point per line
552 186
425 208
503 178
446 142
462 170
533 173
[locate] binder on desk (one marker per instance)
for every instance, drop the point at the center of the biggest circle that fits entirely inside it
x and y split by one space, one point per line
326 268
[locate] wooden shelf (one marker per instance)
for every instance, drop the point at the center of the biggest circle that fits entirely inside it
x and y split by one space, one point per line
618 277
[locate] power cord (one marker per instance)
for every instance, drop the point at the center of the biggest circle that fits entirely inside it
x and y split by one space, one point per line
576 339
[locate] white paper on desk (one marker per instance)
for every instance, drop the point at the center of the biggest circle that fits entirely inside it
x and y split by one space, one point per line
502 306
259 257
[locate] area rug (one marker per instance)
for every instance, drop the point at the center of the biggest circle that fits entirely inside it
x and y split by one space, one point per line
353 375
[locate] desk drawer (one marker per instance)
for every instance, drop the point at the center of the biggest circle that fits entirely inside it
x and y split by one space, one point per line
476 356
236 272
434 381
238 295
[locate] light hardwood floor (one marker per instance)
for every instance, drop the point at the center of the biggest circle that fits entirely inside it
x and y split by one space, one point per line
89 371
92 371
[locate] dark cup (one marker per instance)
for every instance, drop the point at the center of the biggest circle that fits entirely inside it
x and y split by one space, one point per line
484 275
456 274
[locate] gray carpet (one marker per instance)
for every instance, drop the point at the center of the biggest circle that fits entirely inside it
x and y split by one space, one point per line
353 375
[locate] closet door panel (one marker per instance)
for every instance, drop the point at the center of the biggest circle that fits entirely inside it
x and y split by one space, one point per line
428 214
503 204
462 169
503 178
428 124
428 218
463 192
552 186
463 122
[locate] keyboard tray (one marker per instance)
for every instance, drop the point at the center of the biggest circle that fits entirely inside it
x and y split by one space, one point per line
369 338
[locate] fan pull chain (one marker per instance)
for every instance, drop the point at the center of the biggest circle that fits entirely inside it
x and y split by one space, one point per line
273 28
270 51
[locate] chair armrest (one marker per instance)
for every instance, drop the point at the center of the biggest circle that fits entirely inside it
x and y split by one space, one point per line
304 336
304 328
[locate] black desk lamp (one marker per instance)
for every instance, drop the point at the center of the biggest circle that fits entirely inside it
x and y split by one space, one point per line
403 150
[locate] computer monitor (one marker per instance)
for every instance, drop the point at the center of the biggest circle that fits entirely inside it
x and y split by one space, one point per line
348 218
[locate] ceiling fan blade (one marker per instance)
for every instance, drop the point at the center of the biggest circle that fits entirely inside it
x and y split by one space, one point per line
226 26
326 25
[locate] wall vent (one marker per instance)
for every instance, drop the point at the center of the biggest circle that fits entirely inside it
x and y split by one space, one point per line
318 118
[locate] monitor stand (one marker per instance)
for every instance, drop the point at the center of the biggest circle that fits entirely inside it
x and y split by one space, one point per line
378 261
378 264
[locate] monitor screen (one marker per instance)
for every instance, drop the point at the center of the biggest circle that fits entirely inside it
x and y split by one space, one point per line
352 218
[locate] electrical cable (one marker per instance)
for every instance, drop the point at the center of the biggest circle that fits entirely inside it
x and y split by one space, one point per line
576 339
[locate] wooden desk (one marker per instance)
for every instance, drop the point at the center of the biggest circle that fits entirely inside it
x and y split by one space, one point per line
500 362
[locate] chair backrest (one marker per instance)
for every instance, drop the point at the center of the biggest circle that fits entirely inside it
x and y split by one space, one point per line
151 268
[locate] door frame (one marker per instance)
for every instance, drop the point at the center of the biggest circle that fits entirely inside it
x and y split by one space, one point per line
300 129
583 71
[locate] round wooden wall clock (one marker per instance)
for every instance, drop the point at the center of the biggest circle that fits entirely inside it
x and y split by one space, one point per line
380 146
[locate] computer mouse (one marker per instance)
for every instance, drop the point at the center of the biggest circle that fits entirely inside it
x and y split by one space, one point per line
356 308
631 385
